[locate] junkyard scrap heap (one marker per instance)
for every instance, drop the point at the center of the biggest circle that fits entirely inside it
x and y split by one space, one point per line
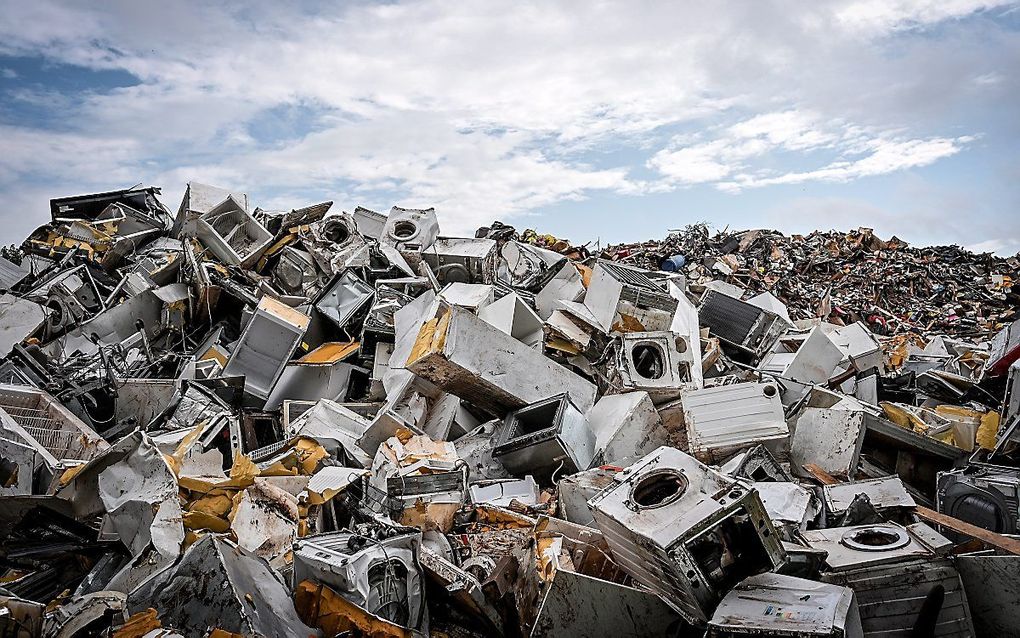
230 421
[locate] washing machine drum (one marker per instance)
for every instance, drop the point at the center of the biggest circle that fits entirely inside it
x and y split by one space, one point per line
987 508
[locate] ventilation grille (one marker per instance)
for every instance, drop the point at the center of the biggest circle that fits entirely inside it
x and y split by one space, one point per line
728 318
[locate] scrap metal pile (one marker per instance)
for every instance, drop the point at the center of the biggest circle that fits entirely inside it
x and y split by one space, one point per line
855 276
236 421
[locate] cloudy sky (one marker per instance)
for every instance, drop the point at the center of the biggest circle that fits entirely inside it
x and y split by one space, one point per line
591 120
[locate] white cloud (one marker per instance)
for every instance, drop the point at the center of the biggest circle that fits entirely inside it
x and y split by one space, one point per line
883 156
688 161
34 154
694 164
1000 246
730 161
792 130
882 15
472 177
988 79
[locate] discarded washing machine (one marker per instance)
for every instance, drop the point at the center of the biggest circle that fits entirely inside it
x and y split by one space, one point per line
981 494
899 577
658 362
779 605
615 289
456 260
381 576
686 531
546 435
411 229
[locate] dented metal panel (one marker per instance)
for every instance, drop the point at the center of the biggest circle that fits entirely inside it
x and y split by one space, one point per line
576 605
992 587
858 345
801 360
471 296
576 490
11 274
788 504
626 427
19 318
305 380
564 285
24 466
830 439
219 585
141 400
883 493
514 317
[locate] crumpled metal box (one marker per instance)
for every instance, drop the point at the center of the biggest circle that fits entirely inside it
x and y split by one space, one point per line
465 356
